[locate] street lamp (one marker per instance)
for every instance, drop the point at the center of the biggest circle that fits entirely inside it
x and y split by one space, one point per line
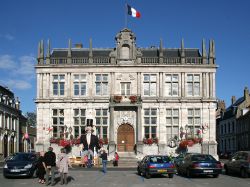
181 132
186 129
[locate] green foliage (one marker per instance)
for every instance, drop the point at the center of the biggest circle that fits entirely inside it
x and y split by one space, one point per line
31 118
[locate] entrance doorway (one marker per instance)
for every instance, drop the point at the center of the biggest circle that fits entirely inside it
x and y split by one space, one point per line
5 146
125 138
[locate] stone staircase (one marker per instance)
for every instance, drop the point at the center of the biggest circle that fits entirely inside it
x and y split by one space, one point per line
127 160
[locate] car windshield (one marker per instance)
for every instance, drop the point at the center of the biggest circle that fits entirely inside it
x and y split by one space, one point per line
202 158
23 157
159 159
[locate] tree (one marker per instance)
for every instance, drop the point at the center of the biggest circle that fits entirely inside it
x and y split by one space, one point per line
31 118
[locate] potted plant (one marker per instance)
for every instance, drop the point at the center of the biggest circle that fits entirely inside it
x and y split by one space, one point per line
133 98
117 98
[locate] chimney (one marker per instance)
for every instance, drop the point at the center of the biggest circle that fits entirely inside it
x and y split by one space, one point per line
221 105
78 46
246 93
233 99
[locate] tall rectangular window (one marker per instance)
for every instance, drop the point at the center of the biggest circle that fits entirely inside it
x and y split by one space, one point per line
58 123
149 84
80 84
125 88
102 122
101 82
194 120
172 123
79 122
58 85
193 85
150 122
172 85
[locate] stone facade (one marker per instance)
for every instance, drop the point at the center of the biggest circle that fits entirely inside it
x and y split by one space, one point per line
152 91
232 125
10 115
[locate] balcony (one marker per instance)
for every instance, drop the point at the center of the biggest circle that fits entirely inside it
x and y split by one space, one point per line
128 100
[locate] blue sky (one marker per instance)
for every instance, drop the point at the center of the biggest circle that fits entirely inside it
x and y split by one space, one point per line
24 23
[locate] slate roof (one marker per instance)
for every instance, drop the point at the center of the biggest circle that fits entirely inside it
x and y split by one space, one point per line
146 52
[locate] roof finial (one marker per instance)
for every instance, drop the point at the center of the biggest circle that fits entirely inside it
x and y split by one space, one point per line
182 52
69 49
204 52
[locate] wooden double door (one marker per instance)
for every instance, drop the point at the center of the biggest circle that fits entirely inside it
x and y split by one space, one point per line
125 138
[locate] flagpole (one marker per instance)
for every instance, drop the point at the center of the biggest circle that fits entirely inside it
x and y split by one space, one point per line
126 16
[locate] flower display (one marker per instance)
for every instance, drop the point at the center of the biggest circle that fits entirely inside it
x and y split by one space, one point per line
150 141
133 98
117 98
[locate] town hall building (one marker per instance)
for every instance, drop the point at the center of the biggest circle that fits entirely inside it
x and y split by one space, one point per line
139 100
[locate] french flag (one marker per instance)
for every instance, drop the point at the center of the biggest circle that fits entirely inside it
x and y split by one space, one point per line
134 13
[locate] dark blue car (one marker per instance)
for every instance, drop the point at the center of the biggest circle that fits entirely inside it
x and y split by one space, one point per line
20 164
156 164
199 164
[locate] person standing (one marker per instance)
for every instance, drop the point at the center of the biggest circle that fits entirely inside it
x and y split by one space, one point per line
41 168
116 159
104 157
64 164
50 165
89 141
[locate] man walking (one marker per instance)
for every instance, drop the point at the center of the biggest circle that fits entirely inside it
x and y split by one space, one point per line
50 165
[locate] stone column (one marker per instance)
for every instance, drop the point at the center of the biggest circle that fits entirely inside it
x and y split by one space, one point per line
161 85
138 83
139 143
17 134
204 85
183 85
210 85
112 147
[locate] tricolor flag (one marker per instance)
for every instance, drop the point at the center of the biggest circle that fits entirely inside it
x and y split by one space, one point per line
134 13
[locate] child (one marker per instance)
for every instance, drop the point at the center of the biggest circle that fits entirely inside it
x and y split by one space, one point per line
63 164
41 168
115 160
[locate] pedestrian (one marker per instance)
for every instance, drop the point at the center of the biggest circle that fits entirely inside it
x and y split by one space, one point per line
50 165
41 168
63 165
116 159
104 158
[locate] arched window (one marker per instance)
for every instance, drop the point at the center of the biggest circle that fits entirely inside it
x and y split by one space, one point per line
124 54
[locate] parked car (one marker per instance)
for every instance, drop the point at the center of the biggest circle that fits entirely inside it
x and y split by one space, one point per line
199 164
239 163
178 160
156 164
20 164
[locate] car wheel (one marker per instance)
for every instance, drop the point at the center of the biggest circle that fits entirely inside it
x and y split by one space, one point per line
243 173
226 170
170 175
138 171
147 175
215 175
188 173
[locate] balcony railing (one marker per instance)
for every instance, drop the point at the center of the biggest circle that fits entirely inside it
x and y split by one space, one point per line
133 99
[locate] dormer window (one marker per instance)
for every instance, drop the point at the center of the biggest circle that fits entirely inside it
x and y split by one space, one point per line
124 53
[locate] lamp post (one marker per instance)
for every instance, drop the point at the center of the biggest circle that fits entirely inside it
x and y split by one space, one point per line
181 132
186 129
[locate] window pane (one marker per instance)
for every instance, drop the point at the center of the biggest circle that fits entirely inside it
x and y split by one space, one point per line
54 121
190 88
169 112
197 112
197 78
168 78
61 121
76 112
146 120
190 121
175 112
55 77
55 89
54 112
98 121
175 89
61 77
105 78
190 112
153 78
175 78
76 77
153 112
175 130
76 121
153 120
83 112
76 131
169 121
83 88
146 112
83 121
83 77
98 77
196 88
146 77
176 121
153 89
98 89
105 88
146 88
98 112
104 121
76 89
168 89
190 78
61 88
105 112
